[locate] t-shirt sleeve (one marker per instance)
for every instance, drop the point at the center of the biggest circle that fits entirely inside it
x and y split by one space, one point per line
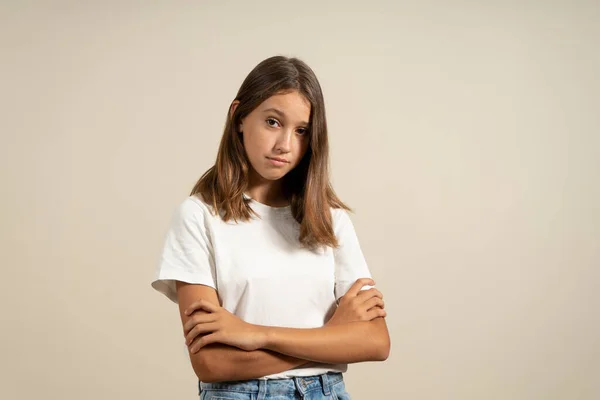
350 263
187 254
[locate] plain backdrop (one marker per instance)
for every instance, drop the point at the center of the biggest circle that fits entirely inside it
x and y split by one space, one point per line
465 135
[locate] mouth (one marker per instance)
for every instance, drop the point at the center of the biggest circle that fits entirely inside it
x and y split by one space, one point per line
283 160
278 162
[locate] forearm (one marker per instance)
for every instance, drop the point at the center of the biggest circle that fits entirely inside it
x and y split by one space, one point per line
218 362
344 343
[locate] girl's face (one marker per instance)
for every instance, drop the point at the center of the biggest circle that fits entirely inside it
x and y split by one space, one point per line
276 134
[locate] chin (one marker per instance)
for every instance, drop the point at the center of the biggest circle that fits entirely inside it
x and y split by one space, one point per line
273 176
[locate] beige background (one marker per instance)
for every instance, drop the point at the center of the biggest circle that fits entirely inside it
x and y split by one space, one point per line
464 134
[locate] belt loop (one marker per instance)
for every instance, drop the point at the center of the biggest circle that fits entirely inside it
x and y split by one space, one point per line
300 385
326 384
262 388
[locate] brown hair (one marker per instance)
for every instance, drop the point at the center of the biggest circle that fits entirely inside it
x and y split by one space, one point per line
307 186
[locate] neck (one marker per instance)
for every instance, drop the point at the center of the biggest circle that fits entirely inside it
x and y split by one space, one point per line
266 191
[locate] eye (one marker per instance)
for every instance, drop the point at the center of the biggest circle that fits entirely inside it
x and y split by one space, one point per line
302 131
269 120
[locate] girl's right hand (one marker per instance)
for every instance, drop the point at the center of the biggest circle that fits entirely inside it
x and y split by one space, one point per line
357 305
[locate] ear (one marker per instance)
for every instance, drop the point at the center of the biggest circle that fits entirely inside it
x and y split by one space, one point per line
232 108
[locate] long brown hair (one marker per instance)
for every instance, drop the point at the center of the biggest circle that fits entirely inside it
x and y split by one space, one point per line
307 186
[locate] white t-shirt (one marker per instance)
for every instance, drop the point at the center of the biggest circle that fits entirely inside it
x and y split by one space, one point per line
260 271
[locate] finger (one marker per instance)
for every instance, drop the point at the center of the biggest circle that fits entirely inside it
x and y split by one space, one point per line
376 312
373 302
197 319
203 341
355 288
367 294
198 330
201 305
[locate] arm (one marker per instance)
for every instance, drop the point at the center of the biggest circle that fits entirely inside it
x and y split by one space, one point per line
356 332
347 343
220 362
288 348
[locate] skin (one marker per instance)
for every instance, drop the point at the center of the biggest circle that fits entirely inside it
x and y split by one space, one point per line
217 362
268 134
223 347
341 340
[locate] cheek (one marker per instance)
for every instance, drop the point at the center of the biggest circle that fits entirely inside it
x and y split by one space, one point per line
251 144
300 151
303 147
256 146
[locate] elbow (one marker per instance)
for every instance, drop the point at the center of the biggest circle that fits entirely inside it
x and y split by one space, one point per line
382 352
381 340
204 370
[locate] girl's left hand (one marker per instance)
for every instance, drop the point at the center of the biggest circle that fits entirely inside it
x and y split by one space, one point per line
220 326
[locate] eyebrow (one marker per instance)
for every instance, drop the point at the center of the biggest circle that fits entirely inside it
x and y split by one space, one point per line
282 114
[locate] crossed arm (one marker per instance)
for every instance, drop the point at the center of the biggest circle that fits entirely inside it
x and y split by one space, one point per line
219 362
280 348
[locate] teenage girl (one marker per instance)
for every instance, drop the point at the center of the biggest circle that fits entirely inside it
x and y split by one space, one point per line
274 293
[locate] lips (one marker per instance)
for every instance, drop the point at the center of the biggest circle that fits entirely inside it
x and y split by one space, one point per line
278 159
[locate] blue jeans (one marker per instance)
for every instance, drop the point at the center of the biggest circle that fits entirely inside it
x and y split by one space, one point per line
329 386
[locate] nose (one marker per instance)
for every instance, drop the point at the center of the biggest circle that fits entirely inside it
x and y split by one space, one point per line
284 141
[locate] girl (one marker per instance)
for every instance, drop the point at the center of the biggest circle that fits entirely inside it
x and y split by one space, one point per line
274 294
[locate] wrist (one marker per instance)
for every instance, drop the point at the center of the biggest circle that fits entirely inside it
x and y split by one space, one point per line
268 337
264 336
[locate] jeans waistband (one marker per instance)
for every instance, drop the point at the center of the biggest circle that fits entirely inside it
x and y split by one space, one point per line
302 384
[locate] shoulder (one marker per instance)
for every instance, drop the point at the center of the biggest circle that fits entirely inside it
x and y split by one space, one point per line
340 219
337 213
191 208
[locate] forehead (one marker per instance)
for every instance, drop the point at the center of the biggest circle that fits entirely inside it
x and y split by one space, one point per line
294 106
